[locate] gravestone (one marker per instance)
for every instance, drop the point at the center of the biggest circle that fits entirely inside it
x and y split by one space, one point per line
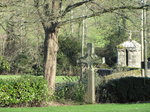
89 59
103 60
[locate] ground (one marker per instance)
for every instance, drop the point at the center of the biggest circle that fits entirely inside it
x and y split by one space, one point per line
85 108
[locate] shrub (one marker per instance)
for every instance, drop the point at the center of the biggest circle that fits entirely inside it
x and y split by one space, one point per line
4 65
25 91
22 64
70 91
124 90
38 70
68 54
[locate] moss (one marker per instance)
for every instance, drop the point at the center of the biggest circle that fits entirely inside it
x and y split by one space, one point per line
120 47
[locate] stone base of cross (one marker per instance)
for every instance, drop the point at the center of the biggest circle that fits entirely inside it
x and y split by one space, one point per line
90 94
89 59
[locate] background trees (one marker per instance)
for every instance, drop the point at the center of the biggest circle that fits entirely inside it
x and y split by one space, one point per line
28 24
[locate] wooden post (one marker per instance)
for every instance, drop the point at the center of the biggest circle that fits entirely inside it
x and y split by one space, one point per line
144 40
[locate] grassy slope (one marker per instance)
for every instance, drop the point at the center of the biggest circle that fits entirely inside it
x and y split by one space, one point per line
58 78
85 108
134 73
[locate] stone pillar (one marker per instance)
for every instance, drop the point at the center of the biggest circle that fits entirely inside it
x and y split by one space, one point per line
90 95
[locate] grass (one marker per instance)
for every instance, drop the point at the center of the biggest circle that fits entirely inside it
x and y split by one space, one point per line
134 73
59 79
66 78
9 76
85 108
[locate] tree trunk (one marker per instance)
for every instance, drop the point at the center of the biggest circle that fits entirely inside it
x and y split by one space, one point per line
50 57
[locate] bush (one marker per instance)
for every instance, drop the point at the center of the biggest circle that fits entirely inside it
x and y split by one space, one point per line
68 54
22 64
124 90
38 70
70 91
24 91
4 65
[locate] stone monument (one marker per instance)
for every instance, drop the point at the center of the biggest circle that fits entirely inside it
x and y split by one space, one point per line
89 59
129 54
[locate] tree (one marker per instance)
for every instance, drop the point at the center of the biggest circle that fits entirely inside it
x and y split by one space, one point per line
53 15
51 19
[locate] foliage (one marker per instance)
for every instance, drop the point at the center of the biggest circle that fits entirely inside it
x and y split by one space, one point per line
24 91
22 64
53 14
67 56
12 38
71 48
4 65
70 91
95 32
124 90
113 29
37 70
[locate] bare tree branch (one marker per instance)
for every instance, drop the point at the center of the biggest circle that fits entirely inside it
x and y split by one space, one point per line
109 10
3 27
73 6
3 5
36 5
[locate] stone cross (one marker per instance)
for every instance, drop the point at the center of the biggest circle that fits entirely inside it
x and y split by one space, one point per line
89 59
130 36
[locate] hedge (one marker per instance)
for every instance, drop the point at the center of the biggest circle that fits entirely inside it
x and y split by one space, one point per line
24 91
124 90
70 91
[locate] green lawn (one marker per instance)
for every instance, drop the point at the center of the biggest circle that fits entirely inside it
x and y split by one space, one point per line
9 76
85 108
58 78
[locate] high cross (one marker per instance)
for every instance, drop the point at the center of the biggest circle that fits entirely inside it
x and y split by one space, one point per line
90 58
